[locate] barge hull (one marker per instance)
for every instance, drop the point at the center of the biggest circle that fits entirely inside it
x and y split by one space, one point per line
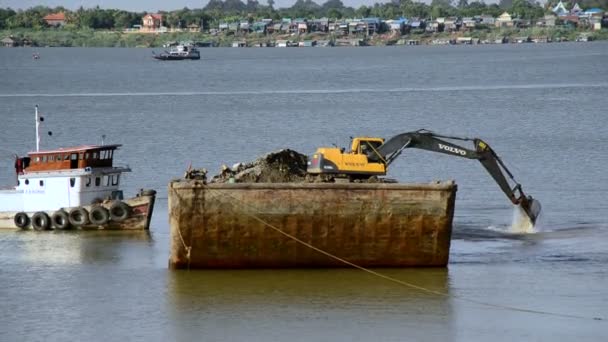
370 225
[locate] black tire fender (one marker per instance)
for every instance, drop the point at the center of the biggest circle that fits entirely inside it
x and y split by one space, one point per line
60 220
78 217
99 215
21 220
119 211
41 221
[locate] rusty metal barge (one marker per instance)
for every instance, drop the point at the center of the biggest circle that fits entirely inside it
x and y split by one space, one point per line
273 225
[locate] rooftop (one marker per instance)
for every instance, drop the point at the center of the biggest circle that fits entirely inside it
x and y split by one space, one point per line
82 148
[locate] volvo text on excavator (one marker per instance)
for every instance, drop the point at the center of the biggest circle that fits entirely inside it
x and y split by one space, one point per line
370 156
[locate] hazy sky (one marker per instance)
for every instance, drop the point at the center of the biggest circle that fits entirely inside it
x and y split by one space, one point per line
148 5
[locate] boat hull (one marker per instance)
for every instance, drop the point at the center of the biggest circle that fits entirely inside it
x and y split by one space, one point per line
175 58
142 206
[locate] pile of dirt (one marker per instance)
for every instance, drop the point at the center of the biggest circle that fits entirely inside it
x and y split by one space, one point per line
283 166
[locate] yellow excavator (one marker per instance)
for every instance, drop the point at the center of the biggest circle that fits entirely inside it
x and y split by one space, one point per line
371 156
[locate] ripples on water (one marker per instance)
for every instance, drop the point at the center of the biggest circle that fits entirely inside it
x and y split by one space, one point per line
541 107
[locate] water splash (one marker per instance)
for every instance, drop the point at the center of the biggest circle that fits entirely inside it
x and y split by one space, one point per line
521 223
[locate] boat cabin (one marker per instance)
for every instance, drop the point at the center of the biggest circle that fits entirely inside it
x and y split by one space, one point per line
82 157
64 178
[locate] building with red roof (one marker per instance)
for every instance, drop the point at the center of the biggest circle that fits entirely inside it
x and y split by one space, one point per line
152 22
55 19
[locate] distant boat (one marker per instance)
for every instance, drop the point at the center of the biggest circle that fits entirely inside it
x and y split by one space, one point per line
179 52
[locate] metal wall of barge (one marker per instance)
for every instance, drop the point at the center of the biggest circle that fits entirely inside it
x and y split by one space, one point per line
371 225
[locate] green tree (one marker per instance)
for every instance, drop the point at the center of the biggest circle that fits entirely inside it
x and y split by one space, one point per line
525 9
363 12
5 14
505 4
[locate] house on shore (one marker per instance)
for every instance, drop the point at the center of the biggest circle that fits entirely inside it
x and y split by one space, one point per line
194 28
560 9
55 19
504 20
546 21
9 42
152 22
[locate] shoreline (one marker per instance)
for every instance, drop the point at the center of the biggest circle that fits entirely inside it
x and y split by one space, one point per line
104 38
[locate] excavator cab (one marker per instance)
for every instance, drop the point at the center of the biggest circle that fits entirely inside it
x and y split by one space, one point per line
363 160
368 147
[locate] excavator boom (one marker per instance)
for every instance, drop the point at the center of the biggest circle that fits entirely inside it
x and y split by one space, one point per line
380 156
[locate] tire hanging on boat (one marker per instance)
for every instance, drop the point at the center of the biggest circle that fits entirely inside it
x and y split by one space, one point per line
99 215
119 211
60 219
78 217
41 221
21 220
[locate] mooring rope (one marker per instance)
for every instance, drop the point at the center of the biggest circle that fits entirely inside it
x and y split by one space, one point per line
386 277
188 248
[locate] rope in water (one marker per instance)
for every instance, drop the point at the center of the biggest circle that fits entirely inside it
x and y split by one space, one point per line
377 274
188 248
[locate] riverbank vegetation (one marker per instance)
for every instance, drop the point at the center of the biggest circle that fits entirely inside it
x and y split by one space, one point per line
118 28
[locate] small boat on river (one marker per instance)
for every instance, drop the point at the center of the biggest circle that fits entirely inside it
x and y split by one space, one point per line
179 52
73 187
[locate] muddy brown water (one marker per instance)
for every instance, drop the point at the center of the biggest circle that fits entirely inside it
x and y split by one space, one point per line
541 107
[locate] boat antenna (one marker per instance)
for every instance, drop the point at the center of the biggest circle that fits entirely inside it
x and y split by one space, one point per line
38 120
103 138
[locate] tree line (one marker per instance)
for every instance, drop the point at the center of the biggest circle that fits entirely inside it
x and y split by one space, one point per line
217 11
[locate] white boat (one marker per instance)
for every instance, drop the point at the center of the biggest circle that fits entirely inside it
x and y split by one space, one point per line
74 187
179 52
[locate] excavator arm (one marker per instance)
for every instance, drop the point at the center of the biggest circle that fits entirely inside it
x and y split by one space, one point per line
427 140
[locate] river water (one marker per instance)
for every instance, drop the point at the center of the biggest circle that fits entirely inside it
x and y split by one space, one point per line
541 107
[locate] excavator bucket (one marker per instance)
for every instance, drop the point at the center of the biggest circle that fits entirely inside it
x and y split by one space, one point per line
525 215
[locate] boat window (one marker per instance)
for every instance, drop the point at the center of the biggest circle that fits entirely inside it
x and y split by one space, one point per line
72 182
97 181
37 159
58 157
18 182
111 154
66 157
106 180
41 182
27 181
51 158
86 155
115 179
44 159
74 156
81 156
94 155
88 183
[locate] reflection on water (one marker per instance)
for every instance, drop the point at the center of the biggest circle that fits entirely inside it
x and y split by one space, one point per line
309 302
73 247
